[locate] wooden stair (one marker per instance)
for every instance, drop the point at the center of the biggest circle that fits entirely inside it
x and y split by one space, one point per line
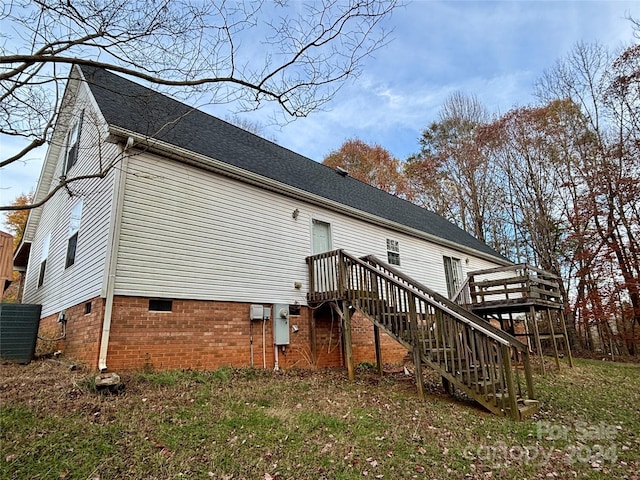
470 354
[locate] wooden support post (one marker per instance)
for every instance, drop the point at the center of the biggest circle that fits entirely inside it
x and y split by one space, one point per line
417 362
348 345
511 389
376 341
553 338
312 278
343 275
417 345
536 337
528 375
566 338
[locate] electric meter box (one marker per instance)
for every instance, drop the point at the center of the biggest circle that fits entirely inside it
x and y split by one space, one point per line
281 324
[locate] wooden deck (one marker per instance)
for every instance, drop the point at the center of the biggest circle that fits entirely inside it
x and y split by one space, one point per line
513 288
516 291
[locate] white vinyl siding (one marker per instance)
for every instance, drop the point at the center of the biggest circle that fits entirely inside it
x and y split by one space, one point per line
421 260
188 233
62 287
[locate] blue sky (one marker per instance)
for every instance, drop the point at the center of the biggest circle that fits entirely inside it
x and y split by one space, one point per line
495 50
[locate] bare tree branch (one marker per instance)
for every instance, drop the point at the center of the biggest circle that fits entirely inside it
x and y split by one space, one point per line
248 52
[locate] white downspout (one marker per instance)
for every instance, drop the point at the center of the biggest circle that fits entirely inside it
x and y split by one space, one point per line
275 355
112 259
264 344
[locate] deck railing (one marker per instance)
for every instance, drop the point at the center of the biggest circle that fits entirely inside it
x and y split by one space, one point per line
467 351
519 283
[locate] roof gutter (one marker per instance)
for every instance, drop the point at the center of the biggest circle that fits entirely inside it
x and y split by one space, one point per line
246 176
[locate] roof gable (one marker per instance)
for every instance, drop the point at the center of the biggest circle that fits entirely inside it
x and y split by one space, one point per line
134 107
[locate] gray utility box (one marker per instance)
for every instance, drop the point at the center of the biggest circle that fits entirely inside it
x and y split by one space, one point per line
280 324
19 331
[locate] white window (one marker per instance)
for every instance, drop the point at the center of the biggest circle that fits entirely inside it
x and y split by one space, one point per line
393 252
73 140
453 274
74 226
43 259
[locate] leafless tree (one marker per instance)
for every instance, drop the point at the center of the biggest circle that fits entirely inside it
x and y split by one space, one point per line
451 174
605 181
296 54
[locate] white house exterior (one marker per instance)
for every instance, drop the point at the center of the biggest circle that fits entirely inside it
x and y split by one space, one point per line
172 221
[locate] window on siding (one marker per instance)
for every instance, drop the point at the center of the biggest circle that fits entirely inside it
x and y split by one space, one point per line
43 259
73 142
393 252
74 227
453 274
157 305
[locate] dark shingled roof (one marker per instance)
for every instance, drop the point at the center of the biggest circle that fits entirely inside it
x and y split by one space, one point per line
136 108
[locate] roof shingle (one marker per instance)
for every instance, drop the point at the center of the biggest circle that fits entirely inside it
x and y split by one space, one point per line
134 107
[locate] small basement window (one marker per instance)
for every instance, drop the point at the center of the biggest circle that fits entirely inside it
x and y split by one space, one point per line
87 308
393 252
156 305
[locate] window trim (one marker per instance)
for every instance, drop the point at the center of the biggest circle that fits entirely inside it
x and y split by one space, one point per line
72 248
43 268
393 252
75 219
44 255
71 151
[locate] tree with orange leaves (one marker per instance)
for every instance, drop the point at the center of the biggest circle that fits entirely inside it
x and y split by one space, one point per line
371 164
16 220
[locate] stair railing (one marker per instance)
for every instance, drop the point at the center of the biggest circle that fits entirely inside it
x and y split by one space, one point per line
462 296
411 283
467 351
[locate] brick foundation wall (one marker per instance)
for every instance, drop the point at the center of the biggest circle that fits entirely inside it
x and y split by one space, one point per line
206 335
363 343
83 330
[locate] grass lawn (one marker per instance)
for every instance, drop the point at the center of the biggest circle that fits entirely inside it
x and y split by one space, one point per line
254 424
